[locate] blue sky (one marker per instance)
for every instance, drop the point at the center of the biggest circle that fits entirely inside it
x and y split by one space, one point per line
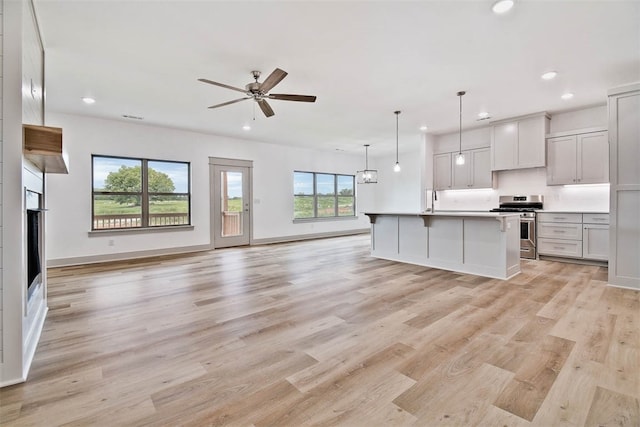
178 172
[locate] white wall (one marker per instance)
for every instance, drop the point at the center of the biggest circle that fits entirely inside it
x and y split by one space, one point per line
17 343
399 191
69 196
1 138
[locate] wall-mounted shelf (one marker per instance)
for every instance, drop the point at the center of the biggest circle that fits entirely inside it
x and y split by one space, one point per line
42 145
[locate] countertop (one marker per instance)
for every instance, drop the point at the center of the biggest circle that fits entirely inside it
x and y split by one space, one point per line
570 212
475 214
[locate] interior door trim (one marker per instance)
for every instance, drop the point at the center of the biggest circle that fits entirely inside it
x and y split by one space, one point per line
222 161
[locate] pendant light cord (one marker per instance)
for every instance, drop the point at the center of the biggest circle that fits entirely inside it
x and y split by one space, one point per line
460 95
460 151
397 114
366 157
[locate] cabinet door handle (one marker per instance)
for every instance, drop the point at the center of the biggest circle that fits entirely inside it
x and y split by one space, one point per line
558 231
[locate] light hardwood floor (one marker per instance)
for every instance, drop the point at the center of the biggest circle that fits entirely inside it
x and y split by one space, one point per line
320 333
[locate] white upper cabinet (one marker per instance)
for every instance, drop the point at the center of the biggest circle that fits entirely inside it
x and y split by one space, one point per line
561 168
593 158
442 171
461 174
581 158
504 142
481 176
519 143
475 173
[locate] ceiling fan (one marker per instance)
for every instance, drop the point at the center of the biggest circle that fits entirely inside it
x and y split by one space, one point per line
260 91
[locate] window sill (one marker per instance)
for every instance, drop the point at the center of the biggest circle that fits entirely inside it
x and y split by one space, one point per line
331 218
117 231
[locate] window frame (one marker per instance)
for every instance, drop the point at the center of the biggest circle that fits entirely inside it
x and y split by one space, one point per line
336 215
144 194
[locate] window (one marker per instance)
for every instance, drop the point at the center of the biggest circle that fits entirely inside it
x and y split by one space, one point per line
139 193
323 195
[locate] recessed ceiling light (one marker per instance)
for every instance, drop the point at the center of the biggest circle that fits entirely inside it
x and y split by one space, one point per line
88 100
502 6
566 96
549 75
483 114
246 127
423 128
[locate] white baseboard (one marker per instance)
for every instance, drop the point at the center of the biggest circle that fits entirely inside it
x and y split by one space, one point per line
93 259
624 287
299 237
12 381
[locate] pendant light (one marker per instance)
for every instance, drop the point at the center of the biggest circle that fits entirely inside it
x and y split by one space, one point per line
396 168
460 156
367 176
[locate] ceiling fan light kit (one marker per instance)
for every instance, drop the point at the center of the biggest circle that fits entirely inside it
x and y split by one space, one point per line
259 92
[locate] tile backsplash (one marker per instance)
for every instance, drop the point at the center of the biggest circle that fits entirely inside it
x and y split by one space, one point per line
525 182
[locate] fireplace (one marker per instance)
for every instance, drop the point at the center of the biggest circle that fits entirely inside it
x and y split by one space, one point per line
33 202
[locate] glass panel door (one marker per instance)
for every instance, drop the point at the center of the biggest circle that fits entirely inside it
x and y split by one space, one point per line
232 203
231 215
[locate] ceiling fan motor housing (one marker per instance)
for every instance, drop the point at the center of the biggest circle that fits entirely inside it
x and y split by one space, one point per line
254 88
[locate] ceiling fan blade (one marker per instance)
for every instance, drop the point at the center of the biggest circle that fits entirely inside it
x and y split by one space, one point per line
265 107
211 82
285 97
229 102
273 79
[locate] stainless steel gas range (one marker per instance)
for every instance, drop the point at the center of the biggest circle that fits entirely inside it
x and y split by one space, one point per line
527 206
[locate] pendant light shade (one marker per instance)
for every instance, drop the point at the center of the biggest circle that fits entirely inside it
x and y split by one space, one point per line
460 157
367 176
396 168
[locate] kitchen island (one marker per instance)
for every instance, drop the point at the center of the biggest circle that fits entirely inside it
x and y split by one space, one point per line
481 243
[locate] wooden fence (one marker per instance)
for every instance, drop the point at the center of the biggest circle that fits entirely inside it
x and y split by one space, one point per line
105 222
231 223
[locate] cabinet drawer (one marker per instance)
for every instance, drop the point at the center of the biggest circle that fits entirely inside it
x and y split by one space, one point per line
555 230
560 217
568 248
595 218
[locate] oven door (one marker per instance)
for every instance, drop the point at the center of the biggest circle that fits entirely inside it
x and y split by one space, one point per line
528 238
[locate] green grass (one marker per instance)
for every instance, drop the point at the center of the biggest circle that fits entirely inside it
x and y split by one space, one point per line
234 204
303 206
110 207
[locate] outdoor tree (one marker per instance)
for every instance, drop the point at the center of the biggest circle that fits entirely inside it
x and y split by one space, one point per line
129 179
346 192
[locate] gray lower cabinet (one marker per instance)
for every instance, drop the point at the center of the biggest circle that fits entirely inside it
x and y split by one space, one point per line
574 235
624 192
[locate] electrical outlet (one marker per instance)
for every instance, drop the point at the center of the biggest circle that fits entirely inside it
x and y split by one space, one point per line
111 242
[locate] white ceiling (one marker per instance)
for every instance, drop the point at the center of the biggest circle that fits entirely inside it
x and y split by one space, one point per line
363 60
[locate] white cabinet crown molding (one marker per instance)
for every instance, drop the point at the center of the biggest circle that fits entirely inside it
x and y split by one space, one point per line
527 116
631 87
577 132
